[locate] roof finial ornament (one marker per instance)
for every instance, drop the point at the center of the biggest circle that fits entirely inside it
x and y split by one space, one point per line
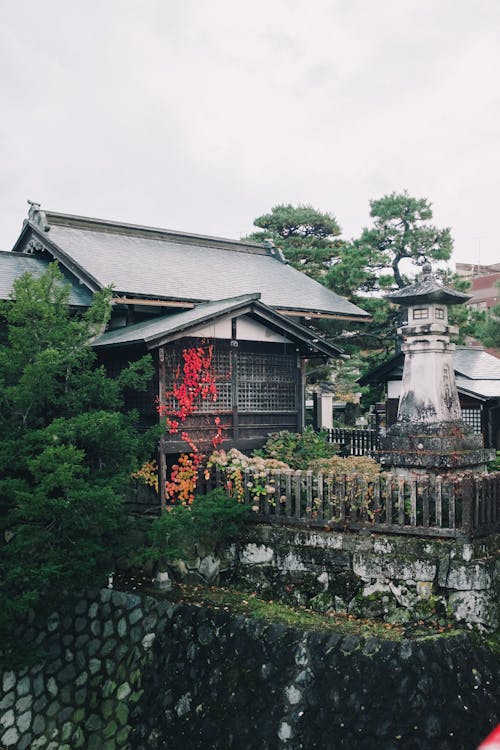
426 270
425 264
36 216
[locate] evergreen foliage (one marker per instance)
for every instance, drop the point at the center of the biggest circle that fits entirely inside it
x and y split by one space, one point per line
401 231
66 451
210 519
297 450
488 331
307 237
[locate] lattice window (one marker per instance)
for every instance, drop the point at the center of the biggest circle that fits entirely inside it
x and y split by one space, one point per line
472 417
420 313
221 367
266 382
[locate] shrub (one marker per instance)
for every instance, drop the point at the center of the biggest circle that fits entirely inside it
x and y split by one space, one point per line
210 520
495 464
233 464
298 450
362 466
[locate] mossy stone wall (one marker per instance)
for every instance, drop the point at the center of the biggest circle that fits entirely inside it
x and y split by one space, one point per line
371 575
125 671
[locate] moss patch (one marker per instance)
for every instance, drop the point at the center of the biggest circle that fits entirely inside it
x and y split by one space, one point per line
252 606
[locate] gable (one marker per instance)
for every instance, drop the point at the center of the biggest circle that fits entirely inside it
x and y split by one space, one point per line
246 330
12 267
237 316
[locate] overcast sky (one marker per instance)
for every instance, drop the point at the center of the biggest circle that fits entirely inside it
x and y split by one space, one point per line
200 115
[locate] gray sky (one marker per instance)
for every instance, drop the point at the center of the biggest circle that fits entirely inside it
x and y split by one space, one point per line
200 115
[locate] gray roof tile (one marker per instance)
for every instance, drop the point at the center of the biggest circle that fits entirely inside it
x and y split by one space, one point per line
13 265
196 269
473 362
480 388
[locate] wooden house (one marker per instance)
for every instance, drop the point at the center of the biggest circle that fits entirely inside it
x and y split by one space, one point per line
173 291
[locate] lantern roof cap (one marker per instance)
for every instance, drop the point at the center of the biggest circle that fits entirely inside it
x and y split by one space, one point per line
427 290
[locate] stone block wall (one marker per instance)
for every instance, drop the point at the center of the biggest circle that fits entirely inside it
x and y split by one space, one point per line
126 672
81 694
396 578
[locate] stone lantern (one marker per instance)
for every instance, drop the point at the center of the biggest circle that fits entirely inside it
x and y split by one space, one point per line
429 436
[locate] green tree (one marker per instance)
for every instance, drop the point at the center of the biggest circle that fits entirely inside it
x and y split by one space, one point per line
488 330
468 320
66 452
308 238
372 264
401 231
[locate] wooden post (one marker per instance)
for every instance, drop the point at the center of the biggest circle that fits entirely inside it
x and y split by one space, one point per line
162 473
309 494
376 499
439 501
277 492
413 501
162 459
288 493
401 501
329 504
467 505
233 358
425 500
388 499
319 509
298 492
301 364
266 496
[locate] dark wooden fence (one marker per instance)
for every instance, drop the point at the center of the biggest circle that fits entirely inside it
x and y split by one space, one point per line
423 506
353 442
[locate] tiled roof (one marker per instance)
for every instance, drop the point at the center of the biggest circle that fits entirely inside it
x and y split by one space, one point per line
427 290
480 388
153 263
477 372
159 330
473 362
13 265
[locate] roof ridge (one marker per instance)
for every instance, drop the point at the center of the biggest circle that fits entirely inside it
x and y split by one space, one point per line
55 218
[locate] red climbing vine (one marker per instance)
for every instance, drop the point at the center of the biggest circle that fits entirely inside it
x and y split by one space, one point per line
194 383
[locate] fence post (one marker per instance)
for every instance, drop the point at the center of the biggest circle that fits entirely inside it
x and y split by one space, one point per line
266 496
309 493
401 501
439 501
288 492
277 491
467 505
162 474
388 499
298 492
320 497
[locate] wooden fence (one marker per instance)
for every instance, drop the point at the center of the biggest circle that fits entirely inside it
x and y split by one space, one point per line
423 506
355 442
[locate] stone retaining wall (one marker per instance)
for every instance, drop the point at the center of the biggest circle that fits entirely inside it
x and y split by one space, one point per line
396 578
129 671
